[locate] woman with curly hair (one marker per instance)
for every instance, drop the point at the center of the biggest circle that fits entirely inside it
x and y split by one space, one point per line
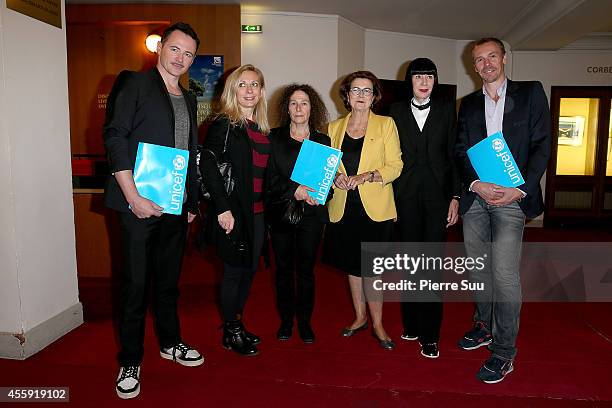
235 219
302 114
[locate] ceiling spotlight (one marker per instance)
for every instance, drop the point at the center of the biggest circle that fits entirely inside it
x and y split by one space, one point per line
151 42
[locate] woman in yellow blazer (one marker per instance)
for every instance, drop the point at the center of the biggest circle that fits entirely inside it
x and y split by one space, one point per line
362 208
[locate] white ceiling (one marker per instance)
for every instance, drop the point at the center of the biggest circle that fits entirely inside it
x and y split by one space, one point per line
524 24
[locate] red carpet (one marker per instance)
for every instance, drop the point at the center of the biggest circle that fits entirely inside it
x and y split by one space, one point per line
565 355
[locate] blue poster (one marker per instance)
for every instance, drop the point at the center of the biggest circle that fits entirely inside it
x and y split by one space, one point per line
494 163
160 173
204 74
316 168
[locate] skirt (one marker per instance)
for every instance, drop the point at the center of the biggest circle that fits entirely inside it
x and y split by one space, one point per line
342 244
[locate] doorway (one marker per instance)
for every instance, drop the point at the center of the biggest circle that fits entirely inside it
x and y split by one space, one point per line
579 176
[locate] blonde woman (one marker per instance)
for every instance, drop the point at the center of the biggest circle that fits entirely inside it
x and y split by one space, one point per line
362 208
236 220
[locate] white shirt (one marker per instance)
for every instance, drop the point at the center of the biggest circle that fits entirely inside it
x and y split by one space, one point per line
494 112
420 115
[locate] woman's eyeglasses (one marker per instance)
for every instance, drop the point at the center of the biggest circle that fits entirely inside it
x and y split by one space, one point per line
361 91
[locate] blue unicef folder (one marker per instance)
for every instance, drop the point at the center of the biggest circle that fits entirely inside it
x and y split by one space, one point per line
160 173
316 168
494 163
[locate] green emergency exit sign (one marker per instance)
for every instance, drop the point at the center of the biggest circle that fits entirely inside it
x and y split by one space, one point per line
252 28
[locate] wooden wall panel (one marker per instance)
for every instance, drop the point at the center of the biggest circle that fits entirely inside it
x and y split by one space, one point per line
97 236
96 54
104 39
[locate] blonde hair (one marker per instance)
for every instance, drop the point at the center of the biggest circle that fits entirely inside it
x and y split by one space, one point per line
229 101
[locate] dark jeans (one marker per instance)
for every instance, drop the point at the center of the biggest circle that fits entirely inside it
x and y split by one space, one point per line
498 232
295 252
237 280
423 220
152 251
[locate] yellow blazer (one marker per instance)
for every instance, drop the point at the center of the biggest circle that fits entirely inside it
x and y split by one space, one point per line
381 151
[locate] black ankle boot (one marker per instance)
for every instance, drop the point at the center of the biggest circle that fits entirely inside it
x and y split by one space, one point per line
250 337
235 339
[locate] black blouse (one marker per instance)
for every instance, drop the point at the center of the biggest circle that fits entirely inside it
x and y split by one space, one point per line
284 153
351 155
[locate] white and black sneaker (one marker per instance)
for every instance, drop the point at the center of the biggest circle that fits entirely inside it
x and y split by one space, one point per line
128 382
430 350
408 337
182 354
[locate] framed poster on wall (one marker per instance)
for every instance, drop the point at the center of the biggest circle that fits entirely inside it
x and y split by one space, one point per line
204 75
571 130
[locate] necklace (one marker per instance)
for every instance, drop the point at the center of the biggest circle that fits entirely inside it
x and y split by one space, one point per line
421 107
297 137
356 132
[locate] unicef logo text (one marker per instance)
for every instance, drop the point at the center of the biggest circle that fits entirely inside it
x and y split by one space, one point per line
332 161
179 162
498 145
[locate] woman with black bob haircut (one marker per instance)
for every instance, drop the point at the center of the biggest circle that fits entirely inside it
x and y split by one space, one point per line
235 220
427 191
302 114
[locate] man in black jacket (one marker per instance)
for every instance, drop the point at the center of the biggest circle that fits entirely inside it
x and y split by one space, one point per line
494 216
151 107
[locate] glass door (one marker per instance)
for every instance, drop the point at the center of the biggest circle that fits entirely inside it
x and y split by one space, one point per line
579 176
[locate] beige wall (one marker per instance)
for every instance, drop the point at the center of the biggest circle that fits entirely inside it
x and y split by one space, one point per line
562 68
387 54
37 242
10 313
351 52
351 47
293 48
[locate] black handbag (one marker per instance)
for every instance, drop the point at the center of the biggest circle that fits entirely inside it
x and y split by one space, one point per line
288 210
224 166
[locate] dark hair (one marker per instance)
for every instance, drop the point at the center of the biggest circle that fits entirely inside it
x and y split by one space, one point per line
423 66
345 86
485 40
182 27
318 111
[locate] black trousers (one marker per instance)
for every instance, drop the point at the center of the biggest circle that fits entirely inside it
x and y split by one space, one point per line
422 219
152 252
237 280
295 253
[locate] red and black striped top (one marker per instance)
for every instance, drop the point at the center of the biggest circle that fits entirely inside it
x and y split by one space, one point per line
261 152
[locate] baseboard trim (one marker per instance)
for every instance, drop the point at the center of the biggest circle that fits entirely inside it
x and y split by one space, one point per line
19 346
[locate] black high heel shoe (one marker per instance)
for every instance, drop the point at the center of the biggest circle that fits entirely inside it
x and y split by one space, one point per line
347 332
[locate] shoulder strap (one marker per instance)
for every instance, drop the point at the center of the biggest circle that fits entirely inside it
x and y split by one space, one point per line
226 133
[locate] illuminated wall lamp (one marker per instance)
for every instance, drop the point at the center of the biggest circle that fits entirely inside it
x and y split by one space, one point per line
151 42
252 29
